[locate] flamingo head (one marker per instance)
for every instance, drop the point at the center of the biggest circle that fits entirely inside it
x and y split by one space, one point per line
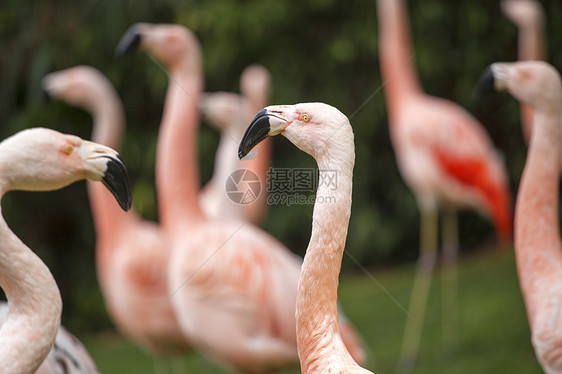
225 110
524 13
78 86
255 83
315 128
42 159
168 43
535 83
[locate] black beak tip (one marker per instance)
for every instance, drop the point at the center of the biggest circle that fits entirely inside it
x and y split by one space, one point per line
257 131
128 43
241 153
46 96
116 179
485 84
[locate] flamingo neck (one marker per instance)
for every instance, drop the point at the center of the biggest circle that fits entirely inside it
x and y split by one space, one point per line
396 55
109 125
537 236
531 43
35 306
226 160
214 200
109 119
177 174
530 46
318 335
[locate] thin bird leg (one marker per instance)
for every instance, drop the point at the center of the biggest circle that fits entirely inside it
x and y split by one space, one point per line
420 290
449 279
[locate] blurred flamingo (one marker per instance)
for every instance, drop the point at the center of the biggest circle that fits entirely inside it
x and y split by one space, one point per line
42 160
233 287
447 159
528 16
230 113
131 253
537 235
325 133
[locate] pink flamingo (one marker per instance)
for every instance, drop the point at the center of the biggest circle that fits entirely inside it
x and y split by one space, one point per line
230 113
233 287
528 16
67 353
41 160
131 253
325 133
537 235
447 159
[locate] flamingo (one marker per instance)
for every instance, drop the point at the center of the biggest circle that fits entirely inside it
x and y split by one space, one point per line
447 159
325 133
40 160
528 16
538 250
232 285
67 353
131 253
230 113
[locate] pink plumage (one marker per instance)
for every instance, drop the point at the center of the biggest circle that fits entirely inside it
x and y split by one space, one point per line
445 157
42 160
537 235
233 287
131 253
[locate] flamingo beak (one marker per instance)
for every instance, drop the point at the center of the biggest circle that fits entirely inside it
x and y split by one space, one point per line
255 133
486 83
117 182
130 42
46 95
269 121
493 78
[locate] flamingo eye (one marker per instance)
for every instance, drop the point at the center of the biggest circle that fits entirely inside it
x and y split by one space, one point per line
68 149
305 117
524 74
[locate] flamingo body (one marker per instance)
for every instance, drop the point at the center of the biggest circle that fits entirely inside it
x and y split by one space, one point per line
448 161
537 236
40 160
325 133
446 158
233 287
246 290
131 253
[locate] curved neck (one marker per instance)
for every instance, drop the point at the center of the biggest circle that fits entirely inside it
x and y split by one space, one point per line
109 119
177 174
109 125
537 235
318 334
395 53
226 160
35 306
531 43
531 46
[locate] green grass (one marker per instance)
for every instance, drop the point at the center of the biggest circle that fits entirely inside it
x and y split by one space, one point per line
494 334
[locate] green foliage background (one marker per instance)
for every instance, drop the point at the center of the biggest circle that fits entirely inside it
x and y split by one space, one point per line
316 50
